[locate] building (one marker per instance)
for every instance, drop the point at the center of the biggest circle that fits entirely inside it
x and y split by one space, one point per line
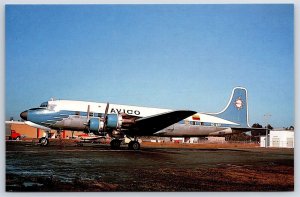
216 139
30 132
282 139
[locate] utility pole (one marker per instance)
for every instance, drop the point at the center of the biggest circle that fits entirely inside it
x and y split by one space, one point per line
266 118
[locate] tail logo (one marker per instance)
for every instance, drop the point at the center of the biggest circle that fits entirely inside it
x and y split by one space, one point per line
239 103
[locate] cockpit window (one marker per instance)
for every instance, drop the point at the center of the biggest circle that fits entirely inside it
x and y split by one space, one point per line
44 104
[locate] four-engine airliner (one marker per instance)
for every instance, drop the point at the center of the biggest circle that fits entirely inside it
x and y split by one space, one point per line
119 120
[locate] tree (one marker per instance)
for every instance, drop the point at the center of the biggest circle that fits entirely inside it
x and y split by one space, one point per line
256 125
269 127
257 132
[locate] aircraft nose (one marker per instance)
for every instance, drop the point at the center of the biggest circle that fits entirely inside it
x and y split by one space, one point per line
24 114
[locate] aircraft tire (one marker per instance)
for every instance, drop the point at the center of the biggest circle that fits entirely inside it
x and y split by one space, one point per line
134 145
115 144
44 141
130 145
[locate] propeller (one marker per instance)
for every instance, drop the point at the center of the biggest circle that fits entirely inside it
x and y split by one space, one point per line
88 113
105 117
87 116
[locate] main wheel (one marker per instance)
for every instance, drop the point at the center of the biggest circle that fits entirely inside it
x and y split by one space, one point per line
134 145
44 141
115 144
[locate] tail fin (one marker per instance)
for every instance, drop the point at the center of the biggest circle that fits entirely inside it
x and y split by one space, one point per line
237 108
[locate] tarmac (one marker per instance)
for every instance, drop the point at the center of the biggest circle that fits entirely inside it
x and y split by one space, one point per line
95 167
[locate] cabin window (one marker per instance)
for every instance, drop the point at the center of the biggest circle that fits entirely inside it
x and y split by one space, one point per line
91 114
192 122
44 104
77 113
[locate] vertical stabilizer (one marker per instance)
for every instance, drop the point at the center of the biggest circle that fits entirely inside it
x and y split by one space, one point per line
237 108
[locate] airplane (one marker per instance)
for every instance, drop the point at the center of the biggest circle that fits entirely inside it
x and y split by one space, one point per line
118 121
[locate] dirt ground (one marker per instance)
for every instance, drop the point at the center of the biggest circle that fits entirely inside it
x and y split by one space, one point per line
156 167
200 145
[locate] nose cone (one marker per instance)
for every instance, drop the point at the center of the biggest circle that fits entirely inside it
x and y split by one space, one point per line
24 114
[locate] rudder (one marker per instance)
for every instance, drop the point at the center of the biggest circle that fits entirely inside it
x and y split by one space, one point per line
237 108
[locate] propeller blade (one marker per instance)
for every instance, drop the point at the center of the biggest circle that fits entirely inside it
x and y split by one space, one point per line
88 113
105 116
87 123
106 109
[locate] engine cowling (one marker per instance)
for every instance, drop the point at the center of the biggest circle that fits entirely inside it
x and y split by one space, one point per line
114 121
96 125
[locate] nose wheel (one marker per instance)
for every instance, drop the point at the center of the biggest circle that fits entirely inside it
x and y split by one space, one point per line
44 141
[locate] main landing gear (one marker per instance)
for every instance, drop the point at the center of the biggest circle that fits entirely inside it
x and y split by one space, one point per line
133 145
115 144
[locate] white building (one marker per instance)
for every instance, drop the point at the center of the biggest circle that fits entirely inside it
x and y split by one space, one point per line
283 139
216 139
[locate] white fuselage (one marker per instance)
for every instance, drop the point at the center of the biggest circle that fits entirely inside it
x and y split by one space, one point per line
200 124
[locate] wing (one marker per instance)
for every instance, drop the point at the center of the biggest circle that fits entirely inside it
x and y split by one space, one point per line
148 125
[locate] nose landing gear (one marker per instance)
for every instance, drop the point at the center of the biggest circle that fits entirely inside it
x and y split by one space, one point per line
44 141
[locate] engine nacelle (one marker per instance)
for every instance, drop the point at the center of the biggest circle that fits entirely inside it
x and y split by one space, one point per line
114 121
96 125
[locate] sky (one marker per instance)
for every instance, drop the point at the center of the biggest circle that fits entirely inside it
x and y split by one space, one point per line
165 56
